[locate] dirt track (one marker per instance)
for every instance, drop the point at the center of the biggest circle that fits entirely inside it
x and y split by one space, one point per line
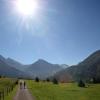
23 94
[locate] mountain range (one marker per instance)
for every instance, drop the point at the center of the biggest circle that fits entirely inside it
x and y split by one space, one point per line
7 70
43 69
40 68
86 70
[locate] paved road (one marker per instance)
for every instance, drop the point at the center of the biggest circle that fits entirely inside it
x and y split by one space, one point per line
23 94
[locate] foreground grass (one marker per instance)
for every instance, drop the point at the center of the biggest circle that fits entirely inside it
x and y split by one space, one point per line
69 91
12 94
7 83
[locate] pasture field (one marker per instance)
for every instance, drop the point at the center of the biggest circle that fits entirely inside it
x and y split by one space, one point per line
7 90
68 91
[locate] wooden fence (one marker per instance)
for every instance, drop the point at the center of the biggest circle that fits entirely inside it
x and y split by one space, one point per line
7 90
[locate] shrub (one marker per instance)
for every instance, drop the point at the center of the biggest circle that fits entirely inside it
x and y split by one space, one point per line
96 80
48 80
81 83
37 79
55 81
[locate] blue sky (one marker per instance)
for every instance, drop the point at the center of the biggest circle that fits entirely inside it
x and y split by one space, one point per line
63 31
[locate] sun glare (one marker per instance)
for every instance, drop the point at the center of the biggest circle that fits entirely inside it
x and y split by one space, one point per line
27 7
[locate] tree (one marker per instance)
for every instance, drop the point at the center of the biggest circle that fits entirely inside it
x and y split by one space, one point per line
37 79
48 80
96 80
81 83
55 81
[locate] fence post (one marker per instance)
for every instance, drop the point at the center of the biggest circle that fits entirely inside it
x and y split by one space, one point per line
0 95
7 90
12 88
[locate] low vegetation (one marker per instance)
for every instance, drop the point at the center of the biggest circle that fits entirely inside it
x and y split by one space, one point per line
68 91
6 88
37 79
81 83
11 95
55 81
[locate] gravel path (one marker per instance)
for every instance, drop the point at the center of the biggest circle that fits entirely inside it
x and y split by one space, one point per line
23 94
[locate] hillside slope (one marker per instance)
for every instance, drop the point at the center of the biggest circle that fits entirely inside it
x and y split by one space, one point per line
87 69
9 71
43 69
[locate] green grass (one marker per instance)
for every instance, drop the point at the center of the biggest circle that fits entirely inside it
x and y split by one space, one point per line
69 91
7 83
12 94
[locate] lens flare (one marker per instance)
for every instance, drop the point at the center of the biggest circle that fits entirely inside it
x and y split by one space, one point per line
26 7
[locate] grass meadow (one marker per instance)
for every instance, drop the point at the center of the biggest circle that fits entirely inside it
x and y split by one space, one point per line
4 84
68 91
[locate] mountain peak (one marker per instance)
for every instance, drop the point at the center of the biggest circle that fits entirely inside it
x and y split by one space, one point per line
2 58
43 69
97 52
41 61
9 58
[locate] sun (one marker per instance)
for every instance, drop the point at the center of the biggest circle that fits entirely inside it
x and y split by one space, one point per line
26 7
